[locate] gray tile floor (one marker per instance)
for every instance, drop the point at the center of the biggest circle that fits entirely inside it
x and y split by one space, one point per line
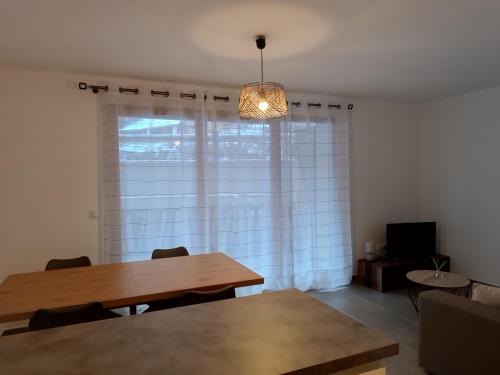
391 313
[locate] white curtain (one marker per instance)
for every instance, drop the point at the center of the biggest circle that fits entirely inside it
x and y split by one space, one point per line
274 195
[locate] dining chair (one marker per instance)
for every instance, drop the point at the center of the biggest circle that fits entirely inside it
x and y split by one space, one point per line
56 264
193 298
169 253
159 254
83 261
51 318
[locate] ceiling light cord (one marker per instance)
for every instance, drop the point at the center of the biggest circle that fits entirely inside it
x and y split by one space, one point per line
261 68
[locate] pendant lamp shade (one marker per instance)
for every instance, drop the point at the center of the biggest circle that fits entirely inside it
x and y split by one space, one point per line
262 100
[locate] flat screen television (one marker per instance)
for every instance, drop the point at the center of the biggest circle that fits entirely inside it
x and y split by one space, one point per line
406 240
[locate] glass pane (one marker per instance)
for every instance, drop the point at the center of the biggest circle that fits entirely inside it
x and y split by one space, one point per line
156 139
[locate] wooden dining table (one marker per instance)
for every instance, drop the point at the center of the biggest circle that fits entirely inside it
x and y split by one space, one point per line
120 284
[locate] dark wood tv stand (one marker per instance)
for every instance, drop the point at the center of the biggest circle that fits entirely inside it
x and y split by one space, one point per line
390 274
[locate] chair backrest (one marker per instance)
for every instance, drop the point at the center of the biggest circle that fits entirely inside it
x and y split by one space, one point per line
50 318
168 253
192 298
195 297
56 264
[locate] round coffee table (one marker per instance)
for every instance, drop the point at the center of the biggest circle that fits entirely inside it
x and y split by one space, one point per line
423 280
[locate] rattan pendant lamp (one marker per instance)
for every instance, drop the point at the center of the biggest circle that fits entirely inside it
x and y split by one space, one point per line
262 100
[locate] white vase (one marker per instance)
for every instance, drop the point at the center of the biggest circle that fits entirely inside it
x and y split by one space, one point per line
370 250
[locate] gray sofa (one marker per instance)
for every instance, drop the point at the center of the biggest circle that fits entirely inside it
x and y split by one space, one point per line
457 335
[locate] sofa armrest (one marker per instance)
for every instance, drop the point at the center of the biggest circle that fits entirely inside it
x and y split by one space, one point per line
457 335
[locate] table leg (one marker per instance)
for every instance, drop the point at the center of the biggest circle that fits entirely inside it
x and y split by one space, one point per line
133 309
413 295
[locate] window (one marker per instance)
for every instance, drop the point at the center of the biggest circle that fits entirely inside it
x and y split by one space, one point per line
273 195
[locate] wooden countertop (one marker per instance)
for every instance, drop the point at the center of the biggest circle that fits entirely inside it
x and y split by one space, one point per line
269 333
119 284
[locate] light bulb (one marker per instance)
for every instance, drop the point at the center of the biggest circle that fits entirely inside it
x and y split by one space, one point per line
263 106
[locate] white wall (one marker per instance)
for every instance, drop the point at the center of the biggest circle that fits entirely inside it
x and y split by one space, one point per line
384 183
49 166
49 160
459 161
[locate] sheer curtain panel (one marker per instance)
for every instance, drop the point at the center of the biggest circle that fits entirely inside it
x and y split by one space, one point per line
274 195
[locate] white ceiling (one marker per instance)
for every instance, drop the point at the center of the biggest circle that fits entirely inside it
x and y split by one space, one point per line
404 49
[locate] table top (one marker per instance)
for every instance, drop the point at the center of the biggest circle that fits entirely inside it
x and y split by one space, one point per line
268 333
119 284
445 279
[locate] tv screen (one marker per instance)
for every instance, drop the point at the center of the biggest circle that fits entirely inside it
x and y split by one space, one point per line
411 239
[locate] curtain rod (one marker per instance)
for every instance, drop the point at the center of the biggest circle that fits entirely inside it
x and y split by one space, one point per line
124 90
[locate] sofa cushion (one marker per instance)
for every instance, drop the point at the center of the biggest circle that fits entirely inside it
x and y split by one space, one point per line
486 294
